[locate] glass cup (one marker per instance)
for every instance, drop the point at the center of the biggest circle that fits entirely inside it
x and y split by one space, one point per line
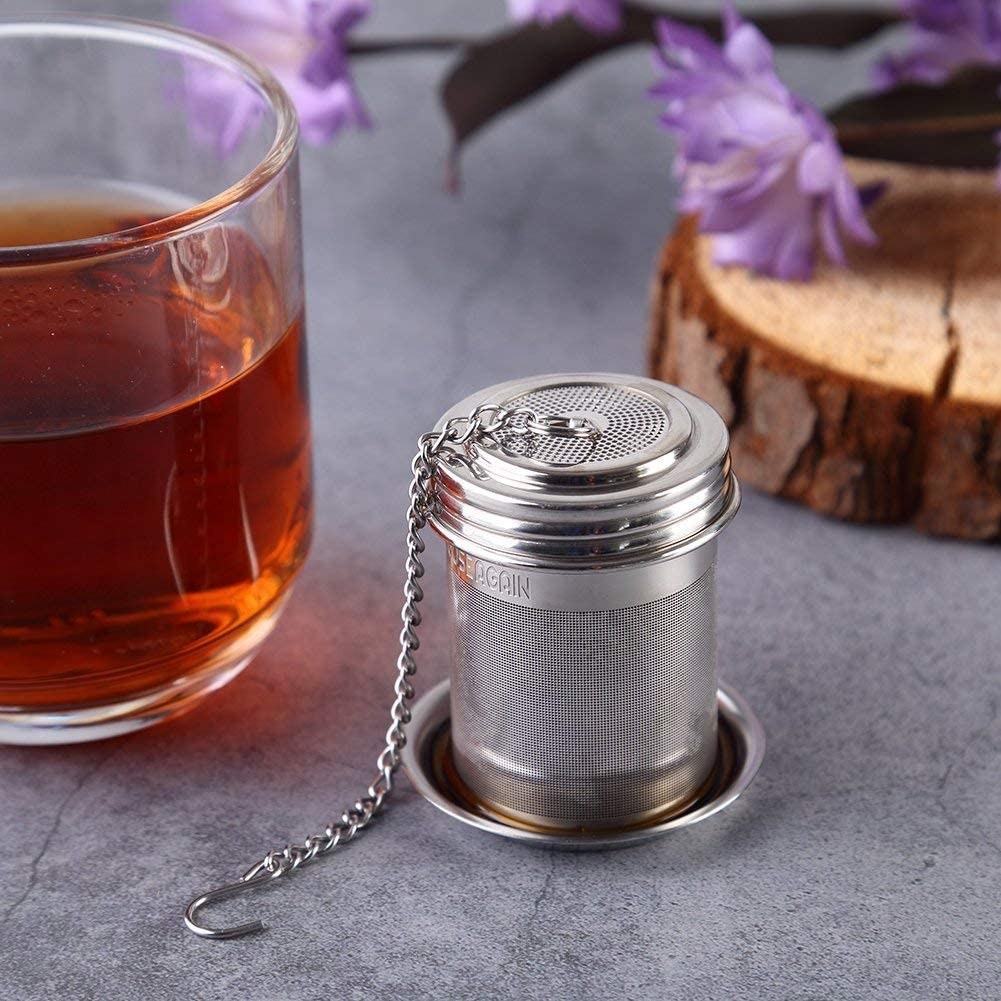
155 470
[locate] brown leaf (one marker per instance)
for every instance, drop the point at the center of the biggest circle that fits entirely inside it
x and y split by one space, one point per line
952 125
501 71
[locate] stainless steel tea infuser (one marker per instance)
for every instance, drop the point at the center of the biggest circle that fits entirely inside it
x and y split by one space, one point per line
580 515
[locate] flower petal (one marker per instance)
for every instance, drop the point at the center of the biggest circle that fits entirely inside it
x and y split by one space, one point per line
850 213
688 47
830 238
324 112
600 16
818 168
730 19
749 51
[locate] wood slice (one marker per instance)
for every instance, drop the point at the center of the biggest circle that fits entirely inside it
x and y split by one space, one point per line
871 393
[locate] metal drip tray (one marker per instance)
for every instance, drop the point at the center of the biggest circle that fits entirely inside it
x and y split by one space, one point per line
427 760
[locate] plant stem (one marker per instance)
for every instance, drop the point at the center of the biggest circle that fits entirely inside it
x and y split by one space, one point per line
942 125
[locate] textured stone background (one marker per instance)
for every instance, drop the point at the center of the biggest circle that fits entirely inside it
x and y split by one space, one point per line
864 861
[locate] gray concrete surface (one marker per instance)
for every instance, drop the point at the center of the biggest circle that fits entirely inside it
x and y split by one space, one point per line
864 861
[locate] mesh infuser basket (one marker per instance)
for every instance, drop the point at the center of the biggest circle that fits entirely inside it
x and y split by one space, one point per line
581 553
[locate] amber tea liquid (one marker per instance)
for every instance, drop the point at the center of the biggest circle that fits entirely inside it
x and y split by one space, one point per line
155 490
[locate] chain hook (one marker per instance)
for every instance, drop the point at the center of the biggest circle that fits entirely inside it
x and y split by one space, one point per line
243 885
432 447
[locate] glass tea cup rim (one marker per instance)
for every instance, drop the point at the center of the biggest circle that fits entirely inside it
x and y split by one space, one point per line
163 38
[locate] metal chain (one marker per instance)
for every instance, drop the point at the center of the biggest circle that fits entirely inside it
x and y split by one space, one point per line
484 423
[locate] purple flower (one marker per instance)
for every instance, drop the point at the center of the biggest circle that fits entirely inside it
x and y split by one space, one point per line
946 35
303 42
759 166
601 16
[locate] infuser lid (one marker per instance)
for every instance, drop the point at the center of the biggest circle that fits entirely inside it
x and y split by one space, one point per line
607 469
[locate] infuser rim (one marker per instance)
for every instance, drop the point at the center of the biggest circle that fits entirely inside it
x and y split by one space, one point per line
597 552
668 450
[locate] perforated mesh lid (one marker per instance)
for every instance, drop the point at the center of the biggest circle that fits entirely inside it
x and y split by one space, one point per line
646 470
629 423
